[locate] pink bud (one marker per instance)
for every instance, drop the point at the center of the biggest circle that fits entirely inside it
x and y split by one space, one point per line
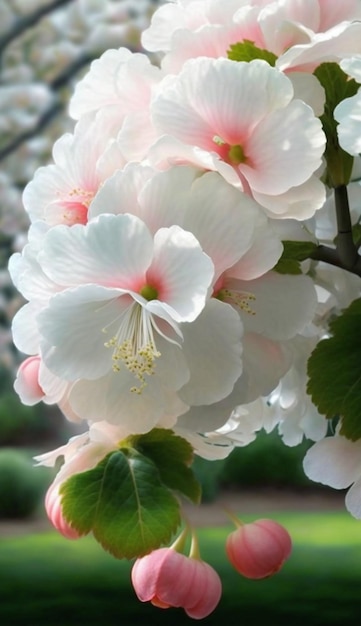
27 381
55 515
259 549
167 578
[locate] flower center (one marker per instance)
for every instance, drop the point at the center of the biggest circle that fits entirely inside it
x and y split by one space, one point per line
74 213
148 292
134 344
241 300
236 155
76 206
233 154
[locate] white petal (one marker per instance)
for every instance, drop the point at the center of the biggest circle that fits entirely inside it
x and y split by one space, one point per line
222 219
165 198
109 398
119 194
209 448
348 114
334 461
264 362
308 88
353 499
284 150
181 273
73 328
299 203
113 250
283 304
25 331
212 347
262 256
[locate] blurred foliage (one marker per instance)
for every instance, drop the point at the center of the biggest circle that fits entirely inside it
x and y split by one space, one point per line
50 581
24 425
208 473
22 486
267 462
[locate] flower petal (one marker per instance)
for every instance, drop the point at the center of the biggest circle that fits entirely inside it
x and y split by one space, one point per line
334 461
72 256
213 349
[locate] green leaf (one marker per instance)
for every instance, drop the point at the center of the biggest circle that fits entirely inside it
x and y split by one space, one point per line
172 455
356 235
248 51
294 252
337 86
124 503
334 371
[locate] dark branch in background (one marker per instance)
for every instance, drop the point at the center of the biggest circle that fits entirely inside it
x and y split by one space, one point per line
44 120
23 23
69 72
345 255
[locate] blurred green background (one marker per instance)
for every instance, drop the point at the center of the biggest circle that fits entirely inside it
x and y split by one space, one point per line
49 581
46 580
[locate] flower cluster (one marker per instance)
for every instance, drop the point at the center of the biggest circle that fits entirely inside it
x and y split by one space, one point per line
175 270
45 46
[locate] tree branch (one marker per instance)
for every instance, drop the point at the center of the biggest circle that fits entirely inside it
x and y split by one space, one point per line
345 255
46 118
344 241
42 123
23 23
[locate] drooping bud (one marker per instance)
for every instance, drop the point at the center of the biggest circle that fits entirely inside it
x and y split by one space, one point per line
27 381
55 514
167 578
259 549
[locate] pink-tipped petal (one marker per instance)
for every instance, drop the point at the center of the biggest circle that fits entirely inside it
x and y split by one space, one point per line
55 514
27 381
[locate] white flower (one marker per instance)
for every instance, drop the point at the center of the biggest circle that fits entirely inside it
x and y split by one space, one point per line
241 120
83 452
348 112
239 431
61 193
289 403
336 461
116 314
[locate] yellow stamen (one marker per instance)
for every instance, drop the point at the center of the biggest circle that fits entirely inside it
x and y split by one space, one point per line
239 299
134 345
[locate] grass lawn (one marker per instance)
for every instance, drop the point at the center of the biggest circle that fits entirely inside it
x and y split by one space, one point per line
46 580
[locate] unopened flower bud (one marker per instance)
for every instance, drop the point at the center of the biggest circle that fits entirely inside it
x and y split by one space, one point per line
55 514
167 578
27 381
259 549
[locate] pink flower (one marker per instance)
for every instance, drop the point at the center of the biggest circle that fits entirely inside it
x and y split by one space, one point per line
167 578
259 549
55 514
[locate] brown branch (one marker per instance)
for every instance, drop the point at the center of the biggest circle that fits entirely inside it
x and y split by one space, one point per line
345 255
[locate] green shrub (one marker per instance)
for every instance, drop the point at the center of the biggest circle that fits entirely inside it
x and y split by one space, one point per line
22 486
20 424
266 462
208 473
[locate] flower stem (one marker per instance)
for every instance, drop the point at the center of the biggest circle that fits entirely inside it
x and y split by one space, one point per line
345 255
180 542
194 551
237 522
